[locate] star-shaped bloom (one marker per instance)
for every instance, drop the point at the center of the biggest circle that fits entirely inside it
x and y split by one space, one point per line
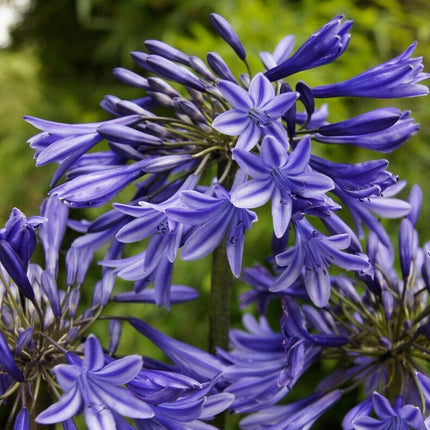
93 386
311 256
255 112
280 176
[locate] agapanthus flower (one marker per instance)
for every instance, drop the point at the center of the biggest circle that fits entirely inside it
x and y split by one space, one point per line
279 176
398 416
95 387
397 77
255 113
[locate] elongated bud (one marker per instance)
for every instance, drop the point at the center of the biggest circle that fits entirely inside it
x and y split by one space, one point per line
225 30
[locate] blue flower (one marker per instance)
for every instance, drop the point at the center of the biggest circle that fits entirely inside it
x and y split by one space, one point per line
281 176
214 217
95 387
255 113
322 47
397 77
398 417
311 256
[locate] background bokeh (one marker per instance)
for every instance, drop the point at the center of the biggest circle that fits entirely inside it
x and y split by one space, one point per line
59 66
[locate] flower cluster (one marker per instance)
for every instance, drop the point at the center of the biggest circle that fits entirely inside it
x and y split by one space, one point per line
204 148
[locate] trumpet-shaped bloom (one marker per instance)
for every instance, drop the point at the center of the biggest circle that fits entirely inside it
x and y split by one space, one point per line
255 112
397 77
322 47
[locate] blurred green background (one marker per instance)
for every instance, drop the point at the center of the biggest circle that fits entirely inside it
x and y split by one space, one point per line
58 65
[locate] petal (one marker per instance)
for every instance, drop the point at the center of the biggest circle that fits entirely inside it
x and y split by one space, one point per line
238 98
121 400
68 406
317 284
98 417
249 137
93 354
232 122
251 164
121 371
22 420
281 213
273 152
253 193
67 375
292 262
280 104
382 406
261 90
205 238
299 158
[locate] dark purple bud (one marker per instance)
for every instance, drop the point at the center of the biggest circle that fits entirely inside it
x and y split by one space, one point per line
103 289
387 304
72 334
51 233
202 69
245 80
127 135
7 361
189 109
49 287
306 97
23 340
22 420
161 86
6 316
73 302
407 246
14 266
157 130
415 200
167 162
97 188
114 335
161 98
164 50
169 70
225 30
369 122
72 260
322 47
130 78
219 66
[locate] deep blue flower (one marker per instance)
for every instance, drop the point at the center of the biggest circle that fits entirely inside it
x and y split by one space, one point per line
397 77
300 415
225 30
386 139
398 417
255 112
94 387
214 216
311 257
278 175
322 47
22 421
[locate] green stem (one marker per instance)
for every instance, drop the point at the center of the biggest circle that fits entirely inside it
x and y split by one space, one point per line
220 298
220 295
